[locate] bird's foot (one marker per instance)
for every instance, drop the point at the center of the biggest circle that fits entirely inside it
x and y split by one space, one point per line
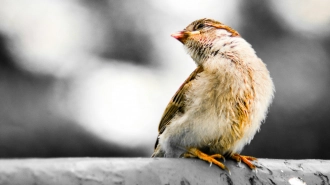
245 159
194 152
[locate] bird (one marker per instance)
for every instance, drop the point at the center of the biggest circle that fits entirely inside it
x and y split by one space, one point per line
219 108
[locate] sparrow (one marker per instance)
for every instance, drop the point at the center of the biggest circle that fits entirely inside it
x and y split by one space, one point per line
219 108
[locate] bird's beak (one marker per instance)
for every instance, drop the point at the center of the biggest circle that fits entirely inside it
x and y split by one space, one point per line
183 35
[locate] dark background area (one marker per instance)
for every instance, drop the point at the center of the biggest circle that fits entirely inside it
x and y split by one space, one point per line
91 78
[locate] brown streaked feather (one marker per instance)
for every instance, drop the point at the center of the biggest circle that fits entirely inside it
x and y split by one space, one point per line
176 103
229 29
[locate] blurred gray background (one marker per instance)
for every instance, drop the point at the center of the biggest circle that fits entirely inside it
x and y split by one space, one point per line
92 78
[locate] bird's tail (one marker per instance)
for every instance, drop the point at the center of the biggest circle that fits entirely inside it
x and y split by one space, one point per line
158 152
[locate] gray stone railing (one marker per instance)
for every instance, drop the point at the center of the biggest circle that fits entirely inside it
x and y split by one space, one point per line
140 171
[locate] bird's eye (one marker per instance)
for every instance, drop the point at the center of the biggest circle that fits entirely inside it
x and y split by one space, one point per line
199 26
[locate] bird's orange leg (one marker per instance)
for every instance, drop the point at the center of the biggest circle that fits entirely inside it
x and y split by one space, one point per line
245 159
194 152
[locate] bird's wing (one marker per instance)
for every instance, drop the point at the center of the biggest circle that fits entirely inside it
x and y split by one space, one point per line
176 103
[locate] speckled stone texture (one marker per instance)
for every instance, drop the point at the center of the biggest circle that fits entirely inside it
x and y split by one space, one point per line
138 171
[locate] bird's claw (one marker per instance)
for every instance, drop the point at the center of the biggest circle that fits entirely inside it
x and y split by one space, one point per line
245 159
194 152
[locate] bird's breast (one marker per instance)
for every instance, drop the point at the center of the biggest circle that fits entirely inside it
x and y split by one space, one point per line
220 109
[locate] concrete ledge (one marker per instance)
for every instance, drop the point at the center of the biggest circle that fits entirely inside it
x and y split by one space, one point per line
159 171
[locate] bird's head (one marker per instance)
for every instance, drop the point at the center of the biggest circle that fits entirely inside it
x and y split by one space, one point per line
200 36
